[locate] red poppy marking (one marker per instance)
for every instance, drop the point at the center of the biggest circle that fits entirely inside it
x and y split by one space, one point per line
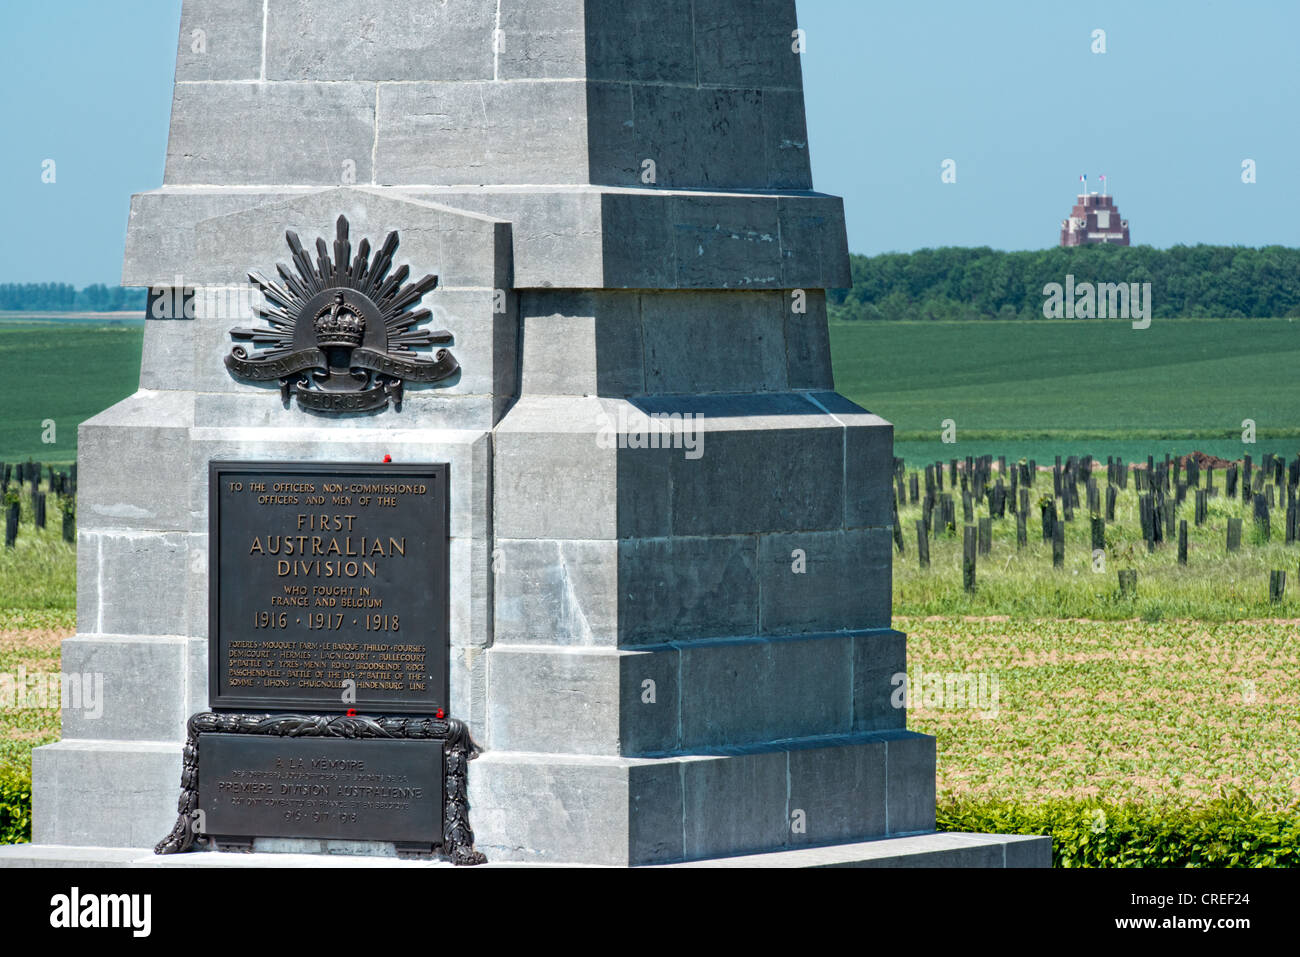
352 712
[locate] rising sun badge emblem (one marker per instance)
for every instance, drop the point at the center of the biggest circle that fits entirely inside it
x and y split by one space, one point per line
340 333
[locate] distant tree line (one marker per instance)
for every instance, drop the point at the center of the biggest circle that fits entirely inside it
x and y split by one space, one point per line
953 282
62 297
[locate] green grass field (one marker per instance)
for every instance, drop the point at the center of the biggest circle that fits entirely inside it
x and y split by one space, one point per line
1044 388
61 370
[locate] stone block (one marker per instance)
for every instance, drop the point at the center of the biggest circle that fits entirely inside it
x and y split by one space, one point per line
220 40
397 40
879 657
825 581
542 39
686 588
743 43
556 592
107 793
126 687
132 583
650 702
281 130
553 480
911 782
641 43
745 692
654 812
840 792
522 132
582 343
714 342
807 345
734 804
554 700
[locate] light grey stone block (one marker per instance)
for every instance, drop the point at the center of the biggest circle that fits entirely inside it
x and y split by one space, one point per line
107 793
879 657
743 692
554 700
468 687
734 804
550 809
146 434
556 592
547 451
139 582
126 687
911 782
825 581
841 792
582 343
197 673
522 132
392 40
220 40
686 588
542 39
316 134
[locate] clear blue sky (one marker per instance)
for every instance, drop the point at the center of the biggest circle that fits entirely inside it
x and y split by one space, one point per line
1009 90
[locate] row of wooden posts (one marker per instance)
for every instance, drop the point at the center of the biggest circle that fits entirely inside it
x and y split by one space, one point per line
61 484
1162 488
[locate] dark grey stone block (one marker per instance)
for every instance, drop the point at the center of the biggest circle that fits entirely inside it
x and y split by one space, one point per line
650 701
734 804
714 342
686 588
654 813
841 792
911 782
744 692
844 584
647 43
747 43
879 657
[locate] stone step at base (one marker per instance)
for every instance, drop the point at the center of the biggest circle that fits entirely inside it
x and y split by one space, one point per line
920 850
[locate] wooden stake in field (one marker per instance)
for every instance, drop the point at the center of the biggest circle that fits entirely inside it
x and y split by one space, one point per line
1022 529
1182 542
986 536
898 532
1234 534
968 550
70 526
1276 585
1261 516
38 509
1128 583
1202 506
1098 533
922 545
1112 495
1058 546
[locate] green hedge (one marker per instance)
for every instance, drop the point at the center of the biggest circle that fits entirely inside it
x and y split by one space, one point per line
1228 832
15 804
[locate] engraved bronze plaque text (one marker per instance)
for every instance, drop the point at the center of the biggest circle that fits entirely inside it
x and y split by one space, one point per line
328 587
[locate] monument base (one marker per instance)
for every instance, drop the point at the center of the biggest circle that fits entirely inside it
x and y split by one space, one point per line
919 850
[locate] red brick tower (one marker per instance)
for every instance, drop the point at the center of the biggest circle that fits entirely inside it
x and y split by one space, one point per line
1094 219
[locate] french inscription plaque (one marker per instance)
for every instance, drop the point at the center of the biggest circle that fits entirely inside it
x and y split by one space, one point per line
324 788
328 587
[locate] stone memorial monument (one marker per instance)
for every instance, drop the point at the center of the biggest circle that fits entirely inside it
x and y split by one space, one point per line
581 504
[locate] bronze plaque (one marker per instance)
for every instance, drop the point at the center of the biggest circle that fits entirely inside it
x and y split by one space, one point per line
328 587
325 788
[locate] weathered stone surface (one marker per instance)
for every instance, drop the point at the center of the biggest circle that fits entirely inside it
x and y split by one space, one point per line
127 582
879 657
807 344
556 592
825 581
840 792
714 342
734 805
582 343
526 132
110 793
742 692
115 691
640 42
747 43
686 588
220 40
393 40
910 784
542 39
280 129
